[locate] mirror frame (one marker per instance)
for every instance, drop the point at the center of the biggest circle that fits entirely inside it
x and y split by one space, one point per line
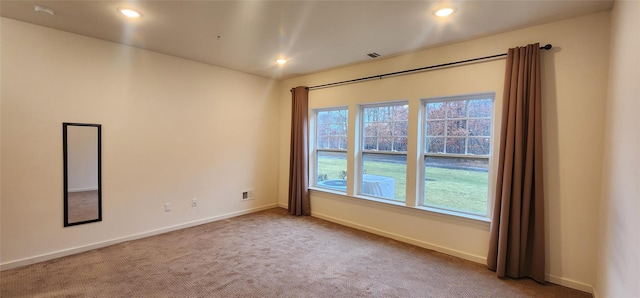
66 177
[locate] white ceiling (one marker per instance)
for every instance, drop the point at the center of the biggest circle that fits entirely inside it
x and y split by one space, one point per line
314 35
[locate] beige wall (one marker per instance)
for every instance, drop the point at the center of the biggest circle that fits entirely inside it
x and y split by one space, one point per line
172 130
574 91
619 258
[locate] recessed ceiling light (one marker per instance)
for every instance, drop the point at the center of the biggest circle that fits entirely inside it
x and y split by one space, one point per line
281 61
43 10
129 13
443 12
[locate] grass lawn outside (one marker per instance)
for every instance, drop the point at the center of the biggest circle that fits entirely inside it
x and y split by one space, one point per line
456 189
447 188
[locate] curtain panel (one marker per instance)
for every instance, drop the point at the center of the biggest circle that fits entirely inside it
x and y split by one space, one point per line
517 244
299 202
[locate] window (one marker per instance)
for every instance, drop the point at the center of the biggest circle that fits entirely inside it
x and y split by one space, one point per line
457 138
451 160
331 148
384 151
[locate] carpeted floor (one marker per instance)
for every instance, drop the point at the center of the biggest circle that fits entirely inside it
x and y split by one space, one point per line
266 254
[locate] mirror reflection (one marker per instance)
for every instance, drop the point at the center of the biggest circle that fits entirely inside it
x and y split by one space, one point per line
82 173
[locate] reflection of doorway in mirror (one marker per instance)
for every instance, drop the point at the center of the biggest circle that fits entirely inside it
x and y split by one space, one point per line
82 167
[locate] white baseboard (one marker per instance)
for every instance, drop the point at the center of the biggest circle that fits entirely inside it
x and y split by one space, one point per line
420 243
88 247
570 283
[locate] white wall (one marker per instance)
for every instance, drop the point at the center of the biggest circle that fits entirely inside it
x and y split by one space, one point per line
574 86
172 130
619 258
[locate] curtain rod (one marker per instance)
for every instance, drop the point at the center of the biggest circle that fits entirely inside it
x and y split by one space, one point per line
380 76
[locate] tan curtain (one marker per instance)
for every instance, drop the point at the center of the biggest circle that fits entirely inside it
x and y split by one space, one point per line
517 247
299 203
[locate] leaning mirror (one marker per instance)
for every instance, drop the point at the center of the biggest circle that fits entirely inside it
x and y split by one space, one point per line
82 173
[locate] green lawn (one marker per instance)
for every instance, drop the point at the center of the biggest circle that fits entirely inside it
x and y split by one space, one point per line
461 190
331 167
455 189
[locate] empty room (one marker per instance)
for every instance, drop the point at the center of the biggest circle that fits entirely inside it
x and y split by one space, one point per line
319 148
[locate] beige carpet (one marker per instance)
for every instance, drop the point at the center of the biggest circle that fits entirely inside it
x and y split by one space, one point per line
266 254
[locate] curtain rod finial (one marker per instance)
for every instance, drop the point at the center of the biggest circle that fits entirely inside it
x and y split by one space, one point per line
547 47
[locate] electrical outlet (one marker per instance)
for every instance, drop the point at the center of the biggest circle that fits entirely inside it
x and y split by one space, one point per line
167 207
247 195
194 203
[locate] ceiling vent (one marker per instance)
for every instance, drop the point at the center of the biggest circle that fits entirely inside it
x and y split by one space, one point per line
373 55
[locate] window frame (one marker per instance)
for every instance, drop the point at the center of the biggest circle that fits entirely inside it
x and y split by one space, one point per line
313 140
361 151
489 157
415 154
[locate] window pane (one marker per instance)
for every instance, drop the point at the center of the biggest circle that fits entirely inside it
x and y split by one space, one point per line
436 110
370 129
457 109
479 146
479 127
455 146
400 128
389 123
459 184
383 114
435 128
400 144
342 142
399 112
434 145
480 107
384 129
385 176
370 143
331 170
456 128
337 142
332 129
384 144
323 142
